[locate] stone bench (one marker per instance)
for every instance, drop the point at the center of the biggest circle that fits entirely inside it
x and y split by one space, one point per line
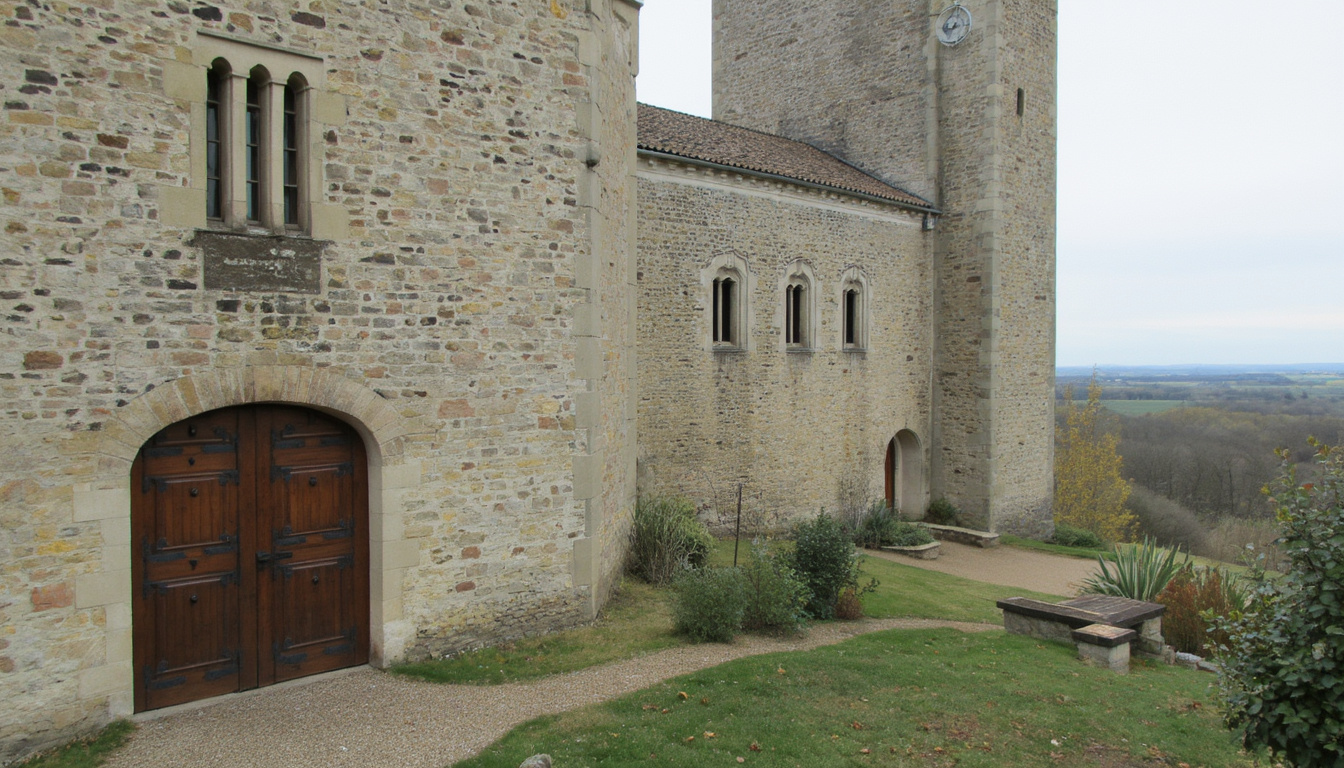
1061 622
919 551
982 539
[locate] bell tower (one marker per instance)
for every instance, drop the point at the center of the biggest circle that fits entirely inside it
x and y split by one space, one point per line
955 102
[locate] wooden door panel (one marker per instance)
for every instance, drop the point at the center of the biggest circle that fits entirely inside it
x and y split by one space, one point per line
313 498
195 514
196 636
318 629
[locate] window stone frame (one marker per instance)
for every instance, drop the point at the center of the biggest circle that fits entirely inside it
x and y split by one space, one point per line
800 272
320 110
729 264
853 279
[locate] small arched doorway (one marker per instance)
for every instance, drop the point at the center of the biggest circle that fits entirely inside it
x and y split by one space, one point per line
904 474
250 554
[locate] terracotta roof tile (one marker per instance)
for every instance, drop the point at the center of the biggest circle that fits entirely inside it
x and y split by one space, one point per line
697 138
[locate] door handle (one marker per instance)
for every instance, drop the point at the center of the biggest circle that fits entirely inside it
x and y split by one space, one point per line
266 557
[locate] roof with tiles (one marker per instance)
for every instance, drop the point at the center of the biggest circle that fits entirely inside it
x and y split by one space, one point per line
697 138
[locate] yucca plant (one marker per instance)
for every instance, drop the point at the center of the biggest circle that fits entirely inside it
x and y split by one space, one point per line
1139 572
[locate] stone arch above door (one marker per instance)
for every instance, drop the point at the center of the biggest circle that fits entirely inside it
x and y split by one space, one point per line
104 498
383 429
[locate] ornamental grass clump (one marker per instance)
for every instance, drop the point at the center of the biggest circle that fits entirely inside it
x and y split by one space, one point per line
882 526
668 539
1139 572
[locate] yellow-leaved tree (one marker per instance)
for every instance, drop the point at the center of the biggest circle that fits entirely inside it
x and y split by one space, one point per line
1090 492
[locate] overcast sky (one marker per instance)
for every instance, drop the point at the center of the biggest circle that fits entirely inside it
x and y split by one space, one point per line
1201 173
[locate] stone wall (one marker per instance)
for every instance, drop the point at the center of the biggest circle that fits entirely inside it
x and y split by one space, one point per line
465 242
869 82
801 429
849 77
994 386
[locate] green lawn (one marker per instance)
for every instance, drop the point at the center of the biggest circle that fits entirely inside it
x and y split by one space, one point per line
1053 549
897 698
914 592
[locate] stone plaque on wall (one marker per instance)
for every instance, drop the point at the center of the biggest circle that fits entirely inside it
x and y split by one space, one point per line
260 263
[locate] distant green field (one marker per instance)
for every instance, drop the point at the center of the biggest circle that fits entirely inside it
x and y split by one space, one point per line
1141 407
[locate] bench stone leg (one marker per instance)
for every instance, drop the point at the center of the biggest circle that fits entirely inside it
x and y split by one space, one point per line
1115 659
1150 639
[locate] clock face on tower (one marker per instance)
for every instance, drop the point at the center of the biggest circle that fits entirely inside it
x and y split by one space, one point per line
953 25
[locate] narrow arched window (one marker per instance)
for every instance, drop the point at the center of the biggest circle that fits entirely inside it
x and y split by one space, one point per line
852 308
253 155
793 315
725 300
215 90
293 189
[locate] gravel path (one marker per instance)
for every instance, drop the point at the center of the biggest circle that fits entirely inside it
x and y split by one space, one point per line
371 719
1010 566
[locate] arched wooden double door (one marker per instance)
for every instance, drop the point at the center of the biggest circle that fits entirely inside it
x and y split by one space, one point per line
250 562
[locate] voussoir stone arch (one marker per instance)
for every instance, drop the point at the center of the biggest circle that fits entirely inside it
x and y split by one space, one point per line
383 429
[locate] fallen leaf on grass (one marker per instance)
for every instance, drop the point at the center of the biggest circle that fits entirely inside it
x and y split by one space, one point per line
865 751
705 701
755 747
741 759
710 734
779 671
683 695
690 738
856 725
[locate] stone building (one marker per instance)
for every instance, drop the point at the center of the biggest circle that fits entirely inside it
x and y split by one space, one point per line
347 332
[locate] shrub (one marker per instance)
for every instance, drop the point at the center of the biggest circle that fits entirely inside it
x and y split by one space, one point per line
905 534
1194 598
825 559
943 512
881 526
1140 571
667 539
1282 670
848 607
875 527
708 604
775 595
1068 536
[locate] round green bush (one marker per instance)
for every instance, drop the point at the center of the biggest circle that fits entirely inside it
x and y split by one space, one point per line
824 558
1068 536
943 512
708 604
776 597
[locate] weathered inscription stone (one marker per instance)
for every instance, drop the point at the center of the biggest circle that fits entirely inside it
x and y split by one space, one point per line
260 263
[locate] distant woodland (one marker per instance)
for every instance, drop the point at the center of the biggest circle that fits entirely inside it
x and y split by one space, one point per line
1198 447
